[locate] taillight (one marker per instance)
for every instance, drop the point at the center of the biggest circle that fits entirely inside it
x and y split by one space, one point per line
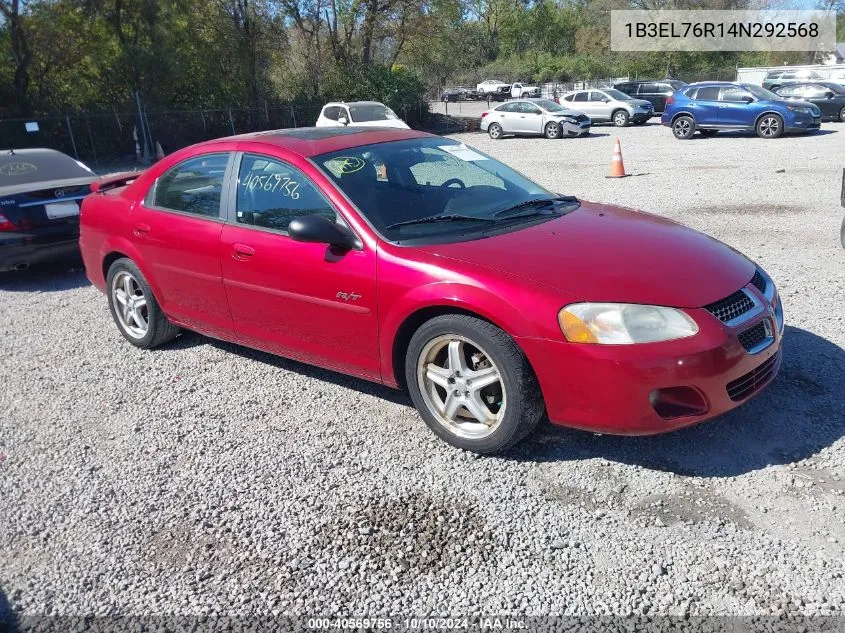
670 100
5 225
484 114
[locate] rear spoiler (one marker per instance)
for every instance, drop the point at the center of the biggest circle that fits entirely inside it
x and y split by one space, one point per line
114 181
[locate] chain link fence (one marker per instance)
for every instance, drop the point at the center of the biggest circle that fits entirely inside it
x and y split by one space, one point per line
114 138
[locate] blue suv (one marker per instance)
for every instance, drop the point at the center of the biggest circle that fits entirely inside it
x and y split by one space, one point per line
709 107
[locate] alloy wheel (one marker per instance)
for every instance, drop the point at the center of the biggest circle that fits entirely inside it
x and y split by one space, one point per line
620 119
495 131
683 128
769 126
461 386
130 305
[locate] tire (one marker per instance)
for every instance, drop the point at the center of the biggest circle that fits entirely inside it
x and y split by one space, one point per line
683 127
553 130
512 396
125 276
842 115
620 118
769 126
708 132
842 233
495 131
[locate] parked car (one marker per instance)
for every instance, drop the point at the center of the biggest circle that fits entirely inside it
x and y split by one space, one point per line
523 91
609 104
537 117
40 190
827 96
776 78
496 302
655 92
709 107
459 94
494 89
359 114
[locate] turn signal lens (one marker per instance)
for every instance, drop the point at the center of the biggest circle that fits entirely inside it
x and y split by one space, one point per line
623 323
574 329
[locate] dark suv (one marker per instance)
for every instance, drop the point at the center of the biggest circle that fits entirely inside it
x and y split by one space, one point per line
655 92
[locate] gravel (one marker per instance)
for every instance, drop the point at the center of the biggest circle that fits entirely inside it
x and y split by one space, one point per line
207 478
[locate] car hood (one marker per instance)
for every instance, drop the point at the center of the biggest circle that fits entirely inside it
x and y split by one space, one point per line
606 253
570 113
639 102
383 123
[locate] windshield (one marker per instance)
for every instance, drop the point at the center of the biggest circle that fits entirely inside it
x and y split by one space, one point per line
549 106
402 182
615 94
762 93
374 112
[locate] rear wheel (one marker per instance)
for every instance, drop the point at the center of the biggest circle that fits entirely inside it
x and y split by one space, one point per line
842 233
552 130
683 127
471 384
620 118
770 126
842 114
495 131
134 308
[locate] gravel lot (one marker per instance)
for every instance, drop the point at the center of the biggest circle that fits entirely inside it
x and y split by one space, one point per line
208 478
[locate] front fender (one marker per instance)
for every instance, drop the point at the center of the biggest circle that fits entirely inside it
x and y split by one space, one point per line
443 296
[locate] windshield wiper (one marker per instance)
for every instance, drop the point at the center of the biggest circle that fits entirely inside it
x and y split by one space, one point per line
431 219
539 203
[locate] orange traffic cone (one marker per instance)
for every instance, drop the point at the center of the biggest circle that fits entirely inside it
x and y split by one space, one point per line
617 167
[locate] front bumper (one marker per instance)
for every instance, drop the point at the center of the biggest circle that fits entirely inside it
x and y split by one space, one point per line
609 388
804 124
38 246
575 128
641 115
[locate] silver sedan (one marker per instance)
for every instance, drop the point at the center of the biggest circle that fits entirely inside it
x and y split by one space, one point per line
536 117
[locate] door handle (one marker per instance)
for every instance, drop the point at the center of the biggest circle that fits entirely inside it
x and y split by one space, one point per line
242 251
141 230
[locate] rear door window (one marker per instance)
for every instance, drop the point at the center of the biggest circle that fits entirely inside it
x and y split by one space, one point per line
708 93
732 94
580 96
193 186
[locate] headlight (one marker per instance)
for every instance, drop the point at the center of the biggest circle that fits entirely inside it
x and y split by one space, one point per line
801 109
568 119
623 323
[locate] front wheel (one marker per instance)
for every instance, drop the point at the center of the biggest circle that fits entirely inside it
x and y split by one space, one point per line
620 118
471 384
552 130
842 233
134 308
683 127
770 126
495 131
842 114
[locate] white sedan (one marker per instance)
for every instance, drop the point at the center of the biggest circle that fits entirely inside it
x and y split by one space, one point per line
359 114
537 117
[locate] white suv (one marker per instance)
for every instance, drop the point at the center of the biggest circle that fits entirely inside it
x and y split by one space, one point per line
359 114
608 104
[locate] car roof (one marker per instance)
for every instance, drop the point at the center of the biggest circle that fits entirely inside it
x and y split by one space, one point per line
353 103
39 168
311 141
698 84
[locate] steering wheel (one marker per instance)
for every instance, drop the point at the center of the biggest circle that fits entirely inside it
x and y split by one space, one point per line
454 181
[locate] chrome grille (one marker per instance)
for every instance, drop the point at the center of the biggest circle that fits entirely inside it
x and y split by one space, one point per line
745 386
730 307
759 282
753 336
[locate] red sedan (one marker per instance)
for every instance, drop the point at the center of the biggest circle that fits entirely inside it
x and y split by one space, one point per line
416 261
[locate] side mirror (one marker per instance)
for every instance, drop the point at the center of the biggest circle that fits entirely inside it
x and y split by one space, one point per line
748 99
319 229
343 120
829 94
605 100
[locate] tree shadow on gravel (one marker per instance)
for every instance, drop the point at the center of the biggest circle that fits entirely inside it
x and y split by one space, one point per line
8 618
801 412
192 339
56 277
